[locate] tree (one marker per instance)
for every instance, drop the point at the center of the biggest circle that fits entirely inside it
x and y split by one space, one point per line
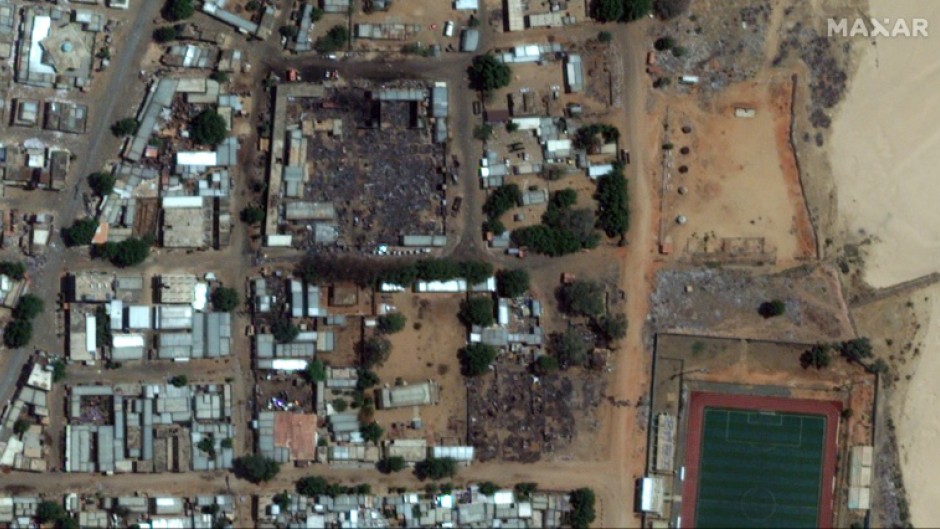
488 488
316 14
856 350
284 331
179 381
224 299
436 468
374 351
81 232
483 132
636 9
67 522
664 43
525 489
582 508
311 486
477 311
475 272
392 464
613 210
289 31
175 10
226 443
208 128
49 511
772 308
253 215
13 270
372 432
17 333
129 252
494 226
366 379
666 9
512 126
604 37
475 359
512 283
207 445
219 77
817 356
607 10
59 370
611 327
29 306
335 39
487 73
315 372
569 348
101 183
391 323
165 34
282 499
545 364
20 426
582 298
255 468
124 127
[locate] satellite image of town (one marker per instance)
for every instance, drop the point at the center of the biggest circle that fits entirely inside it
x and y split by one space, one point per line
512 264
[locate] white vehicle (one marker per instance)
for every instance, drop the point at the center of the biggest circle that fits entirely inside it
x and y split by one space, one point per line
449 29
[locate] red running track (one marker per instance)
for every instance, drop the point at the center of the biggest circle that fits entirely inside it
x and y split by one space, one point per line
693 451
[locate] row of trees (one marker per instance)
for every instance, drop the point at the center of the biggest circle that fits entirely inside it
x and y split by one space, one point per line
857 350
613 209
370 272
19 331
630 10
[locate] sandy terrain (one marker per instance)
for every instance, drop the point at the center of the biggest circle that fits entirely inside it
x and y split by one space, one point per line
741 179
885 146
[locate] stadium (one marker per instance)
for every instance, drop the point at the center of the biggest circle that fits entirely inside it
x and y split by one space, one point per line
740 435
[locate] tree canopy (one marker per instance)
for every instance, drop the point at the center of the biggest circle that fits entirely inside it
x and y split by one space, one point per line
816 356
166 33
611 327
224 299
391 323
255 468
436 468
374 351
475 359
487 73
477 310
315 372
124 127
392 464
49 511
501 200
284 331
101 183
13 270
772 308
17 333
613 209
81 232
29 306
372 432
175 10
569 348
252 215
335 39
208 128
582 298
582 508
129 252
512 283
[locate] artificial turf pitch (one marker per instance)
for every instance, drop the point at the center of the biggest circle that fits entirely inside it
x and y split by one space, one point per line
760 469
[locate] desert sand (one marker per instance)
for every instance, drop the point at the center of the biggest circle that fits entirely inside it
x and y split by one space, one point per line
885 148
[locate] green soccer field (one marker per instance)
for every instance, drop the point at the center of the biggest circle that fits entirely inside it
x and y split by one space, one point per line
759 469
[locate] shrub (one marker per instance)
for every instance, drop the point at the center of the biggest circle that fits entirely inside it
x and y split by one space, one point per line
436 468
334 40
582 298
374 351
255 468
208 128
477 311
81 232
512 126
664 43
13 270
219 77
124 127
391 323
475 359
487 73
483 132
101 183
17 333
512 283
282 499
392 464
772 308
679 51
175 10
284 331
372 432
856 350
816 356
252 215
28 307
605 37
179 381
545 364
